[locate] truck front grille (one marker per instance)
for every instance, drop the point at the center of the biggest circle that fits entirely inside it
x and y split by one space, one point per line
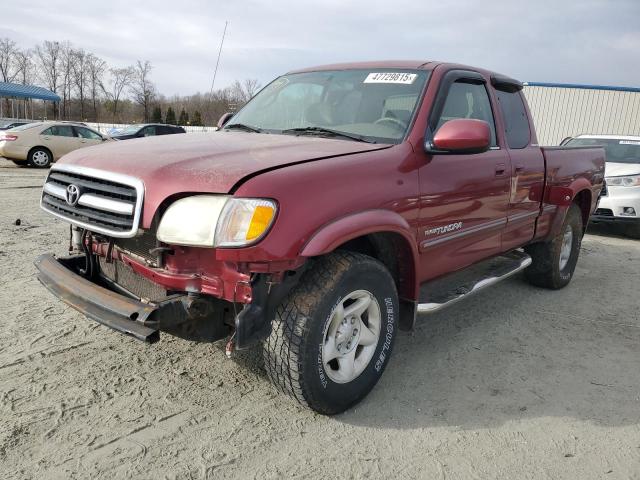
124 277
139 246
102 202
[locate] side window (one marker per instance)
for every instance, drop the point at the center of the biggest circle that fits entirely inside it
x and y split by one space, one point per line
48 131
62 131
86 133
515 117
164 130
149 131
468 100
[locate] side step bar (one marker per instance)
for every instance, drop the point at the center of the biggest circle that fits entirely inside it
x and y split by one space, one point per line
445 292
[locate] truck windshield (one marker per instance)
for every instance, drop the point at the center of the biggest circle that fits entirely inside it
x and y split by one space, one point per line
369 105
617 150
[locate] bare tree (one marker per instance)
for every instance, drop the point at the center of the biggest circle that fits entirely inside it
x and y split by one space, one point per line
8 70
120 79
48 56
241 92
251 87
67 58
80 77
24 66
96 67
142 88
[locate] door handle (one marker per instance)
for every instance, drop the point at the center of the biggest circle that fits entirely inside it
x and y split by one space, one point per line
500 169
519 168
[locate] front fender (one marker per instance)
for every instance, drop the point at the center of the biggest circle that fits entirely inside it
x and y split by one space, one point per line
331 235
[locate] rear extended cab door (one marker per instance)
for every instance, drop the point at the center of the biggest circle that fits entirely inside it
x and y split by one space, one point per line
527 167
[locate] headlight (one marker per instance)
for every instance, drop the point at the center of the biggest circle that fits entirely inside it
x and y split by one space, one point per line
244 221
216 221
630 181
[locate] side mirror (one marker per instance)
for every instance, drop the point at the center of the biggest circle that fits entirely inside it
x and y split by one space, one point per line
224 119
462 135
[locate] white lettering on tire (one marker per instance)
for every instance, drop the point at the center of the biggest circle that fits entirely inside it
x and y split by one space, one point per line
388 337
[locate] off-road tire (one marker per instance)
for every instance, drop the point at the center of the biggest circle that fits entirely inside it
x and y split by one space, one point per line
293 351
545 269
43 153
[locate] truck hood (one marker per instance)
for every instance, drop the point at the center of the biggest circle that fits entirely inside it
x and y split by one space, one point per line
612 169
205 162
208 162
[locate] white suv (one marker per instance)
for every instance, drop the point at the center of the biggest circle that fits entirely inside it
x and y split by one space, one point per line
620 199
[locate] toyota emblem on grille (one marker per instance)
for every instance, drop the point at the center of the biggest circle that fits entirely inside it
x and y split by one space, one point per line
73 195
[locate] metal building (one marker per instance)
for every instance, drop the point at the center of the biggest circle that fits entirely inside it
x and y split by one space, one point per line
564 110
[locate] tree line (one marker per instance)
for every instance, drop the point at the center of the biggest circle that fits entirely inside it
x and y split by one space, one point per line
92 90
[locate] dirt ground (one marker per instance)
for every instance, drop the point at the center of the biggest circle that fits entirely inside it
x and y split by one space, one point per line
515 383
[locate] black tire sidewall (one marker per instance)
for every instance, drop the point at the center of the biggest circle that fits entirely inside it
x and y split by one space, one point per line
331 397
573 220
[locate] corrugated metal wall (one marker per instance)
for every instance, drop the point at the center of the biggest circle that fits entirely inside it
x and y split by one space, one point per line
560 112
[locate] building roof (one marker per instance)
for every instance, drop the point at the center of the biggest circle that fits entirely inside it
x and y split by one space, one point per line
14 90
582 86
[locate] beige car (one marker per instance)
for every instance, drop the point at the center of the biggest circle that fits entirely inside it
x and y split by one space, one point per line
39 144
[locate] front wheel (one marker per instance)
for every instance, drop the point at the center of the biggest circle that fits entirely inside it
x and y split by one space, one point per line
39 158
555 261
333 335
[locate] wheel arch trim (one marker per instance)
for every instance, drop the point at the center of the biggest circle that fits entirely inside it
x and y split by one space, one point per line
338 232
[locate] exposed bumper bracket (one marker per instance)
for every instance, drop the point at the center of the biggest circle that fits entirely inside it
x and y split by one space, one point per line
111 309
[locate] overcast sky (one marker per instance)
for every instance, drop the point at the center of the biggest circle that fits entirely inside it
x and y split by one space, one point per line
576 41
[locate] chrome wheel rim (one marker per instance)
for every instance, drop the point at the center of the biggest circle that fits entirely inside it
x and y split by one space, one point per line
351 336
40 158
567 245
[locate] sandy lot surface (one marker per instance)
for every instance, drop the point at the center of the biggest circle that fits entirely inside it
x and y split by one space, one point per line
515 383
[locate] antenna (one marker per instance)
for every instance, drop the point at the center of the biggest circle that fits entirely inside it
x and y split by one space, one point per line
215 72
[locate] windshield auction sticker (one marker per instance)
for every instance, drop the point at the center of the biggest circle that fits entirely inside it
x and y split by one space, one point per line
629 142
391 77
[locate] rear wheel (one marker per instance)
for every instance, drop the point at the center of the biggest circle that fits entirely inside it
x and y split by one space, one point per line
555 261
40 158
332 336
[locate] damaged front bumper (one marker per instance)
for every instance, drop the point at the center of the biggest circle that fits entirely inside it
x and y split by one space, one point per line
188 315
141 320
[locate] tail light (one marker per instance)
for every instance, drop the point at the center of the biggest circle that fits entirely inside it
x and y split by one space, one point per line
8 138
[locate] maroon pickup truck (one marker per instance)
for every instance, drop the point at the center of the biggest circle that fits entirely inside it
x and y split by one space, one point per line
332 209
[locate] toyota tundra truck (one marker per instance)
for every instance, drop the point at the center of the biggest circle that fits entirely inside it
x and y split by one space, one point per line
337 206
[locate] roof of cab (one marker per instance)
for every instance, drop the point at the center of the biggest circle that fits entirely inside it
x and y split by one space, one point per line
405 64
409 64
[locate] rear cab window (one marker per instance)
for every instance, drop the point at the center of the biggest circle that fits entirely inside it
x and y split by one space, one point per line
514 113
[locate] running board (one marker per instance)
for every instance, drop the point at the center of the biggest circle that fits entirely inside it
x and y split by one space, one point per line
454 287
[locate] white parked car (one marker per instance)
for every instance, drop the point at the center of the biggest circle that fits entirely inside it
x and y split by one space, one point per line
620 199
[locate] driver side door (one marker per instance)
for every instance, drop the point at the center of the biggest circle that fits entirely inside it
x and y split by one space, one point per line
463 196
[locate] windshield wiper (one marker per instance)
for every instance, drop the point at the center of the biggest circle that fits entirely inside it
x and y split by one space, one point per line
327 132
242 126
